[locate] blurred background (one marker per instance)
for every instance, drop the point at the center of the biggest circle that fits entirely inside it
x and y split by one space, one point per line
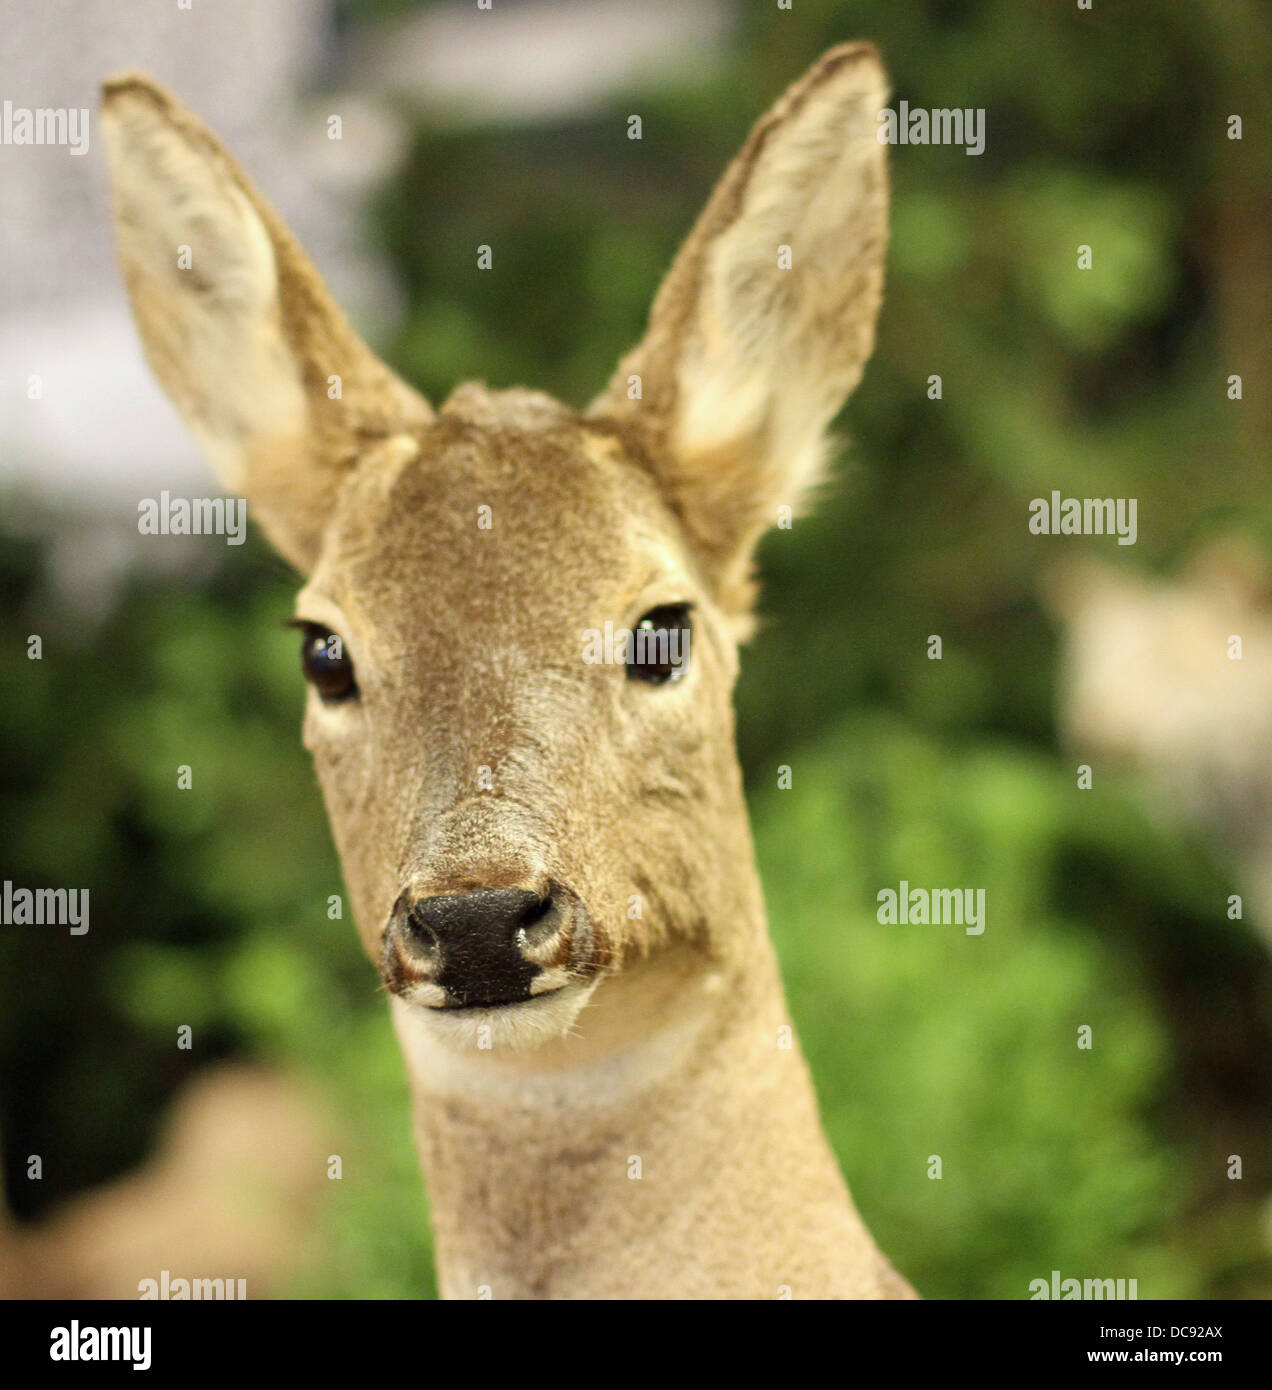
1107 907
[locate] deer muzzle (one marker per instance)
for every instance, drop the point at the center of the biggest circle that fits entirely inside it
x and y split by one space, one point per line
488 948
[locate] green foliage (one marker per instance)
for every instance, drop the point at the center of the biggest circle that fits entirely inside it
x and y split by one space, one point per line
928 1040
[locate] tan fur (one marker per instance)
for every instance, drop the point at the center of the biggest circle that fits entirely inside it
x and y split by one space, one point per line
246 340
647 1131
744 365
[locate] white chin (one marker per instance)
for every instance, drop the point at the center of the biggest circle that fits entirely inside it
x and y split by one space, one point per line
504 1027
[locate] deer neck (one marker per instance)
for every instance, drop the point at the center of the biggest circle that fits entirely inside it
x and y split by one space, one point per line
669 1147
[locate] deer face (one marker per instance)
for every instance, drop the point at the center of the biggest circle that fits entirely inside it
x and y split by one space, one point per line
518 808
519 623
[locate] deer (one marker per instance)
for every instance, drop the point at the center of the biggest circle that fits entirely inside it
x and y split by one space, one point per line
548 859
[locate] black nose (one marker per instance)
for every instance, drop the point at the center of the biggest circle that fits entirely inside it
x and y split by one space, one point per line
476 942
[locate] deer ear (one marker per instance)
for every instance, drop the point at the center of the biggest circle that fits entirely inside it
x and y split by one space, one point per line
765 320
237 324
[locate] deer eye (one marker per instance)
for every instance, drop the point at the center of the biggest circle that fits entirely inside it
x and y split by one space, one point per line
658 651
325 663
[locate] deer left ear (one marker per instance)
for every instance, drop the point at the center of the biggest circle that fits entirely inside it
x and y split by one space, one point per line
238 325
766 319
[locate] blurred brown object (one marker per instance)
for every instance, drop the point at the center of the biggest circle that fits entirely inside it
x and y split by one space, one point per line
229 1194
1147 676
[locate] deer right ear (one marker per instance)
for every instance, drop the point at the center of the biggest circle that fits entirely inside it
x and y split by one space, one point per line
766 318
237 324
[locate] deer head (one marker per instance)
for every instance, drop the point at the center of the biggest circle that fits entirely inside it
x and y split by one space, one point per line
517 820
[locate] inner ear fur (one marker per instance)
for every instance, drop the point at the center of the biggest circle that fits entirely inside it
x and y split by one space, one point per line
764 323
236 322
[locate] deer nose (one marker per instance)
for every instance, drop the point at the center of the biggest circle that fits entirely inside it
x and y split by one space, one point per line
478 946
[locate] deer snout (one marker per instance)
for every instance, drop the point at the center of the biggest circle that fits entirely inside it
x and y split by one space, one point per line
486 948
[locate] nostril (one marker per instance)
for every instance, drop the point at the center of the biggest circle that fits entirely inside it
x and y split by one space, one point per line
421 934
539 923
536 911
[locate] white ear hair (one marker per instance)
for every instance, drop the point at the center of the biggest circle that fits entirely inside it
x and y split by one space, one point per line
201 271
236 322
766 319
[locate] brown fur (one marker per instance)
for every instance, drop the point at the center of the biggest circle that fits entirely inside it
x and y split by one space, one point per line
648 1131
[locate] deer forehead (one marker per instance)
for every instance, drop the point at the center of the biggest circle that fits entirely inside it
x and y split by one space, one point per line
562 525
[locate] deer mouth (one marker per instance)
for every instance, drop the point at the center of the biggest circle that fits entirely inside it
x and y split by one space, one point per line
473 1026
471 1005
